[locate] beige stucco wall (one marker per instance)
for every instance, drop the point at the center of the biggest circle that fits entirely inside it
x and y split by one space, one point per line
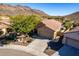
45 32
71 42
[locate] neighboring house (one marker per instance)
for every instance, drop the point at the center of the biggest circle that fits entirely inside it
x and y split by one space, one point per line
72 38
48 28
4 24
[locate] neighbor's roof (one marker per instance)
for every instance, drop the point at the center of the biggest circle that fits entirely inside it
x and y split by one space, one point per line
52 24
3 25
5 19
75 29
73 34
4 22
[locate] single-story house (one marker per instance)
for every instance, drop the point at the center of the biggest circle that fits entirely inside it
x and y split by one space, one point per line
4 24
48 28
72 38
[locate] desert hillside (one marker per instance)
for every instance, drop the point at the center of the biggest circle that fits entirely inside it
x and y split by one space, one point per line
73 16
6 9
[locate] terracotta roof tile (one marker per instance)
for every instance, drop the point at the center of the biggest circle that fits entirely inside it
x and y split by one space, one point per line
52 24
4 22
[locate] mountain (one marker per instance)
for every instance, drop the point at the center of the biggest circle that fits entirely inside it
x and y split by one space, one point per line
6 9
73 16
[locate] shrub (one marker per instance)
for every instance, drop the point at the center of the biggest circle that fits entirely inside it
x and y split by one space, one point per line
24 24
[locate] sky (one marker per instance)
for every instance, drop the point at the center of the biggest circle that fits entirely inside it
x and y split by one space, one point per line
54 9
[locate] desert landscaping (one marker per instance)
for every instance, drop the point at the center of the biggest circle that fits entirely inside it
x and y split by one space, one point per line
30 32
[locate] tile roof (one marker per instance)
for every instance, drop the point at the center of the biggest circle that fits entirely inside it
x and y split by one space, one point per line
73 34
4 22
3 25
75 29
52 24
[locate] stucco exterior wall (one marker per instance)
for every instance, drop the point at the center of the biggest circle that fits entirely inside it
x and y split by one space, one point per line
45 32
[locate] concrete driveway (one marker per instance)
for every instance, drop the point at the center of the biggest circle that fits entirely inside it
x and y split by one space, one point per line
37 48
13 52
38 45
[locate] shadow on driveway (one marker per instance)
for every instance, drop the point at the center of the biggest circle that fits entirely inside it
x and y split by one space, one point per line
55 45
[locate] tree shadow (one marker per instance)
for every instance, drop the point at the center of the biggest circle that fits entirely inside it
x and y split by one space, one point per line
55 45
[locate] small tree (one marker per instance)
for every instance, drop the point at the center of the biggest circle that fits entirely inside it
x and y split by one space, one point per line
25 24
68 24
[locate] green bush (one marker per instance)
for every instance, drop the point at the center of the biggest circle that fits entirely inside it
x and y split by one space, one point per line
24 24
68 24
